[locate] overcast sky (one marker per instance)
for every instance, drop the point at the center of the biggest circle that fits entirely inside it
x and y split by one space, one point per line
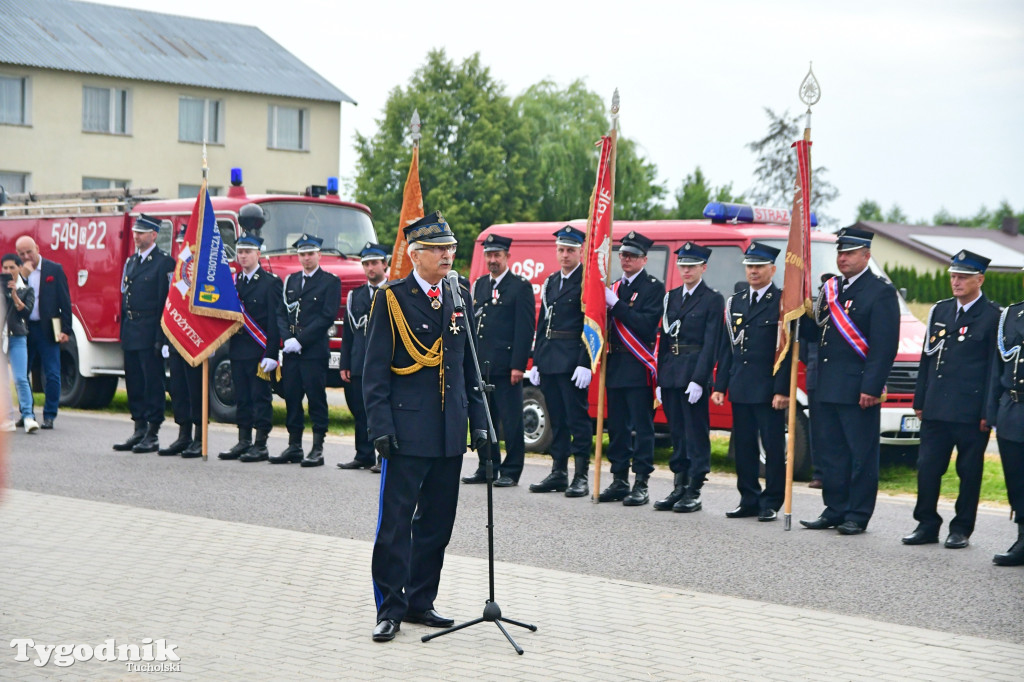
922 101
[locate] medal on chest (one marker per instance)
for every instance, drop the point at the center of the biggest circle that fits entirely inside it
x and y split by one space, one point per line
963 334
454 327
848 304
435 299
495 295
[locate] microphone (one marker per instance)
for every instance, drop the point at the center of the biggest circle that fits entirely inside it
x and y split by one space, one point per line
453 286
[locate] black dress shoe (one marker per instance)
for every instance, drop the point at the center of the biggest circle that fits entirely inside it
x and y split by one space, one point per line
291 455
505 481
47 424
957 541
849 528
194 450
477 477
819 523
768 514
741 512
386 630
430 618
355 464
689 504
555 482
376 467
615 492
921 536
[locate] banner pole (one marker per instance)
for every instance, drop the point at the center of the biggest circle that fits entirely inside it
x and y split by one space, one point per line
794 366
206 404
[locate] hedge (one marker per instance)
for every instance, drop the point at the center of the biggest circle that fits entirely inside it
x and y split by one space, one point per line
927 287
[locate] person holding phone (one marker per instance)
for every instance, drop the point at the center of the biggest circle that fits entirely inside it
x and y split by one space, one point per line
18 299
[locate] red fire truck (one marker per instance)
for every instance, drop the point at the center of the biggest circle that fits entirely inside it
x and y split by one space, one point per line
728 232
89 234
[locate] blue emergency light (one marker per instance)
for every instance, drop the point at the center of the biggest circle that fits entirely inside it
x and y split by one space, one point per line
720 212
332 185
236 177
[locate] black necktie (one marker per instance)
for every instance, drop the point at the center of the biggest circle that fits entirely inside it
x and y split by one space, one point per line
753 298
305 278
686 296
845 283
561 282
959 312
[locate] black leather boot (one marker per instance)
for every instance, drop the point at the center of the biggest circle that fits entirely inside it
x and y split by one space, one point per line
690 502
292 454
134 439
677 493
580 486
315 457
241 447
555 482
376 468
150 442
179 445
258 452
1015 555
639 495
195 448
617 491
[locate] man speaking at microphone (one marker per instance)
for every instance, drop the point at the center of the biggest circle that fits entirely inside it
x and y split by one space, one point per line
420 389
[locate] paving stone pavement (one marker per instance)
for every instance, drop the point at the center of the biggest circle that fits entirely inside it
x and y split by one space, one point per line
248 602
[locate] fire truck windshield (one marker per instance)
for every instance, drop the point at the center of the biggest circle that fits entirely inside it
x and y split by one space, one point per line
342 228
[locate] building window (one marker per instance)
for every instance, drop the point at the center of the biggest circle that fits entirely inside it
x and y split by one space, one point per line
103 183
192 191
106 110
200 120
14 183
287 128
14 100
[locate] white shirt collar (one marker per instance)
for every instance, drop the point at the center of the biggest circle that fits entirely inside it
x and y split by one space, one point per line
629 280
500 277
248 275
376 286
142 254
426 285
310 274
760 292
851 280
967 306
565 276
691 290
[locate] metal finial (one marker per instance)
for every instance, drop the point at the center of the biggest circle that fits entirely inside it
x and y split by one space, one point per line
206 169
810 91
414 126
615 107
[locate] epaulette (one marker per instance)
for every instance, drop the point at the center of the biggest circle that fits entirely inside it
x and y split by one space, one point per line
387 283
654 280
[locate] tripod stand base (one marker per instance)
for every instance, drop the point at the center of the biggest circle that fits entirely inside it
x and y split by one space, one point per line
492 614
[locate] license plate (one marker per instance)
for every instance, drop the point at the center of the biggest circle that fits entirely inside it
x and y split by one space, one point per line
910 424
335 360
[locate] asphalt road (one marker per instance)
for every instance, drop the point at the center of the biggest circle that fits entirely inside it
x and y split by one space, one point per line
870 575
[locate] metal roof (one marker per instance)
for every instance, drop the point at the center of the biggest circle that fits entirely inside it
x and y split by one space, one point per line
126 43
942 241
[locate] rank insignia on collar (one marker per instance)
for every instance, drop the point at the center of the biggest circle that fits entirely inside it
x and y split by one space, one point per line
768 296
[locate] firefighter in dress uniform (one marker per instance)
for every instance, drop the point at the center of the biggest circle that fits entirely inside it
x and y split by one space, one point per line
147 275
253 364
691 325
950 400
634 312
504 307
857 328
420 388
746 363
311 300
374 259
561 368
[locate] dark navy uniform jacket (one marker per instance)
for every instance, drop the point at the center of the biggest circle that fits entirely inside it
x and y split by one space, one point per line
842 374
1005 412
319 301
688 352
409 405
505 323
142 303
953 382
54 298
639 309
353 340
559 346
261 296
745 369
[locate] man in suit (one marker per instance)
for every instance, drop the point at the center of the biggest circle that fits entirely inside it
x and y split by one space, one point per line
52 303
420 388
857 330
311 300
950 400
561 368
634 311
690 328
746 363
1005 414
374 259
253 362
147 276
504 307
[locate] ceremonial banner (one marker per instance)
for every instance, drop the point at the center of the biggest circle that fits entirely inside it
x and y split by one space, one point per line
597 253
412 210
202 310
796 289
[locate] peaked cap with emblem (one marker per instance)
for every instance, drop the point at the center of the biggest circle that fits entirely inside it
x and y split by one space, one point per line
570 236
969 263
432 230
248 241
760 254
496 242
851 239
307 243
692 253
146 223
371 251
635 243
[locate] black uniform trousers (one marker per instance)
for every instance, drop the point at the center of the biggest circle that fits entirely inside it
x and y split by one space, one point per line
631 411
144 381
749 422
506 405
690 428
1011 453
938 438
187 390
418 499
568 417
354 401
851 456
814 436
253 396
307 378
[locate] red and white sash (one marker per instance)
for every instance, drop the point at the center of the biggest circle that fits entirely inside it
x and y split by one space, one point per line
842 321
636 346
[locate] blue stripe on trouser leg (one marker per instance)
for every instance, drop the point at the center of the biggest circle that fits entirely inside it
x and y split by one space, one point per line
377 596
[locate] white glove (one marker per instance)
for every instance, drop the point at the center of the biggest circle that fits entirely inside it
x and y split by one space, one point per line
268 365
581 377
292 345
534 376
693 392
657 393
165 352
610 297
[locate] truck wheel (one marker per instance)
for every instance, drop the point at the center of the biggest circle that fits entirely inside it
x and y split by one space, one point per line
87 393
536 424
802 468
222 389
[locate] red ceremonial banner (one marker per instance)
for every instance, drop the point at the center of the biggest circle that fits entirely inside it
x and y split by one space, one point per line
412 210
796 289
597 253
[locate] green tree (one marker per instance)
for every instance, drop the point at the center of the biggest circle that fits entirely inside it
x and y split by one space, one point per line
896 215
869 210
776 168
944 217
695 193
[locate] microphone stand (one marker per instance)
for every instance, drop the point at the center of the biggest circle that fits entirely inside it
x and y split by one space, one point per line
492 612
